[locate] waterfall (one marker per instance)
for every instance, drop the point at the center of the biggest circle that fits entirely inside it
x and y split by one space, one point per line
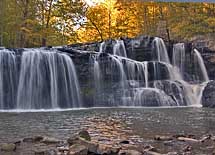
146 74
97 78
199 91
47 80
173 72
8 79
101 47
130 73
133 77
200 63
178 57
132 70
160 50
119 48
193 91
133 81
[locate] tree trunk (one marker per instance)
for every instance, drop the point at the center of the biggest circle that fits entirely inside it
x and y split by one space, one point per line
96 27
24 25
44 39
109 20
1 22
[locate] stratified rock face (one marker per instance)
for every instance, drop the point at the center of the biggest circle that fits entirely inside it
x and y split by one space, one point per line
174 89
204 41
208 97
209 60
140 48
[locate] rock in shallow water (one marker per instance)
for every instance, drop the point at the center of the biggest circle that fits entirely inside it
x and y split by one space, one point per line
107 150
84 134
149 148
92 147
8 147
163 138
188 139
129 152
208 95
172 153
78 149
33 139
50 140
45 152
73 140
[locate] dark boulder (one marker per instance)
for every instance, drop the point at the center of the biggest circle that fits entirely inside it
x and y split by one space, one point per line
208 96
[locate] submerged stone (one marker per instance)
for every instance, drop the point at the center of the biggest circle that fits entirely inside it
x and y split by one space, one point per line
208 96
8 147
46 152
107 150
50 140
78 149
85 135
129 152
163 138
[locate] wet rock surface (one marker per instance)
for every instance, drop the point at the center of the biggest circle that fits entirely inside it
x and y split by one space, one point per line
8 147
140 49
208 96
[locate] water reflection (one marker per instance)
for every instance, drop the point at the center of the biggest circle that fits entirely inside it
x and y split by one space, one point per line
145 122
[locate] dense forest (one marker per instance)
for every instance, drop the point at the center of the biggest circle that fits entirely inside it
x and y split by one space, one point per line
34 23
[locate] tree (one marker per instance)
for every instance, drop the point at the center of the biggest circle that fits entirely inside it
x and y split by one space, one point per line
33 23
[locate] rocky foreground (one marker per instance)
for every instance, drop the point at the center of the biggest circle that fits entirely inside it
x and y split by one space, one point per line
111 137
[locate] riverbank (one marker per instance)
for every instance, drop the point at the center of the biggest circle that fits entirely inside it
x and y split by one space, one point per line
144 130
109 143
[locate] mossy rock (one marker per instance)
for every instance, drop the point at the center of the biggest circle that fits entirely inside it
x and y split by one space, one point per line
85 135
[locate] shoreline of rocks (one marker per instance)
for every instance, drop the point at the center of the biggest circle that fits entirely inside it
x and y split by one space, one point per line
112 137
82 144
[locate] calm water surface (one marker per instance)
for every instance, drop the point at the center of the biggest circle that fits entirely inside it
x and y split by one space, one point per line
145 122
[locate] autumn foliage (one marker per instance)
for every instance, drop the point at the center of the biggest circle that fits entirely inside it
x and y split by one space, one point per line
34 23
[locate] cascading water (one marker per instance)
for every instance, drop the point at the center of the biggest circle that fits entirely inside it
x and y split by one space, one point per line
134 82
198 89
8 79
119 48
194 91
146 74
141 80
45 80
101 47
178 57
97 78
160 50
200 64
